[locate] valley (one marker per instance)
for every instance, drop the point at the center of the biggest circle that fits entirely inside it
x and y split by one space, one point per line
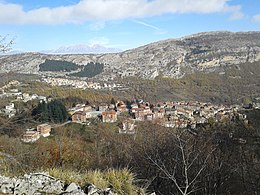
154 112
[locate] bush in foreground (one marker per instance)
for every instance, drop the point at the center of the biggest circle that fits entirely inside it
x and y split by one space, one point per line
122 181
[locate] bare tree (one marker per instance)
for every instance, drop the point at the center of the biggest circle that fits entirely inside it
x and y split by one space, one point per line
184 164
5 43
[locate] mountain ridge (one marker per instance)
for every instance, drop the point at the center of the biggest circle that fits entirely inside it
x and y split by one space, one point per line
83 49
173 58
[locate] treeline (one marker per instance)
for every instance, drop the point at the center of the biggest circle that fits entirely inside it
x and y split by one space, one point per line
90 70
58 66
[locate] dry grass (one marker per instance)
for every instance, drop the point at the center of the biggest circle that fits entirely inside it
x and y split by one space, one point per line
122 181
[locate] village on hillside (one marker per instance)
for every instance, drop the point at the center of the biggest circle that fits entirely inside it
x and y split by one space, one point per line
168 114
80 84
171 114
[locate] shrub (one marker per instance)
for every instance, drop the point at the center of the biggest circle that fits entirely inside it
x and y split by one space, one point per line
122 181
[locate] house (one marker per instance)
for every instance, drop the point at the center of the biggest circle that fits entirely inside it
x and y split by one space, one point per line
103 107
149 116
147 109
128 126
44 129
182 124
79 117
176 123
93 114
34 96
170 111
9 110
109 116
30 136
78 107
9 106
186 113
121 108
26 97
134 105
139 114
159 114
87 108
170 124
173 118
134 110
42 99
111 107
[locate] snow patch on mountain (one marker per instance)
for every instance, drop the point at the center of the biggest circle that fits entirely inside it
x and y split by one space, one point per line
83 49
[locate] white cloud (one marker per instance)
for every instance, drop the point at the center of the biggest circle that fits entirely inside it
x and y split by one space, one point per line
157 30
236 13
104 10
256 18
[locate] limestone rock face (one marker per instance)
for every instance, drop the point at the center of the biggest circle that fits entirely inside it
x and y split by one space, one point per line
169 58
6 185
37 183
74 189
42 183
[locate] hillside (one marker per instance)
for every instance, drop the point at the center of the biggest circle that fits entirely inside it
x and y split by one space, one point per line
173 58
229 85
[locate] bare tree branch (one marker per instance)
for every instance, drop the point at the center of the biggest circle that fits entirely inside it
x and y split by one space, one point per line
5 43
186 166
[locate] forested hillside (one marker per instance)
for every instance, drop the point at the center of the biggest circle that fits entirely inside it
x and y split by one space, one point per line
90 70
57 66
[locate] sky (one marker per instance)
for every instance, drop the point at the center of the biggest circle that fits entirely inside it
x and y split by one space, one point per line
39 25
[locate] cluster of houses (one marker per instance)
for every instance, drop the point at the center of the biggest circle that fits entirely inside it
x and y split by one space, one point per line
10 84
19 96
25 97
9 110
178 114
78 83
169 114
32 135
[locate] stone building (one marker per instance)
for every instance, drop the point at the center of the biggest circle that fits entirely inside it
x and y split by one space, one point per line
109 116
30 136
79 117
44 129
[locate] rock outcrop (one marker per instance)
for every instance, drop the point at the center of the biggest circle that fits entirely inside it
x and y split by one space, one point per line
42 183
169 58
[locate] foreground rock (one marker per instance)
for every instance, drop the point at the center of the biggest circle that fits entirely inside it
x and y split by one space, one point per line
42 183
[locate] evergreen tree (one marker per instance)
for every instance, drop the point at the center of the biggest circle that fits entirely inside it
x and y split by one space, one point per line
53 111
113 101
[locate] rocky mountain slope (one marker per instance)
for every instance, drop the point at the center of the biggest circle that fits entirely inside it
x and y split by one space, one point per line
169 58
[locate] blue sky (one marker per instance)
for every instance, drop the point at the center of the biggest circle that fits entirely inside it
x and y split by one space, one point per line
39 25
